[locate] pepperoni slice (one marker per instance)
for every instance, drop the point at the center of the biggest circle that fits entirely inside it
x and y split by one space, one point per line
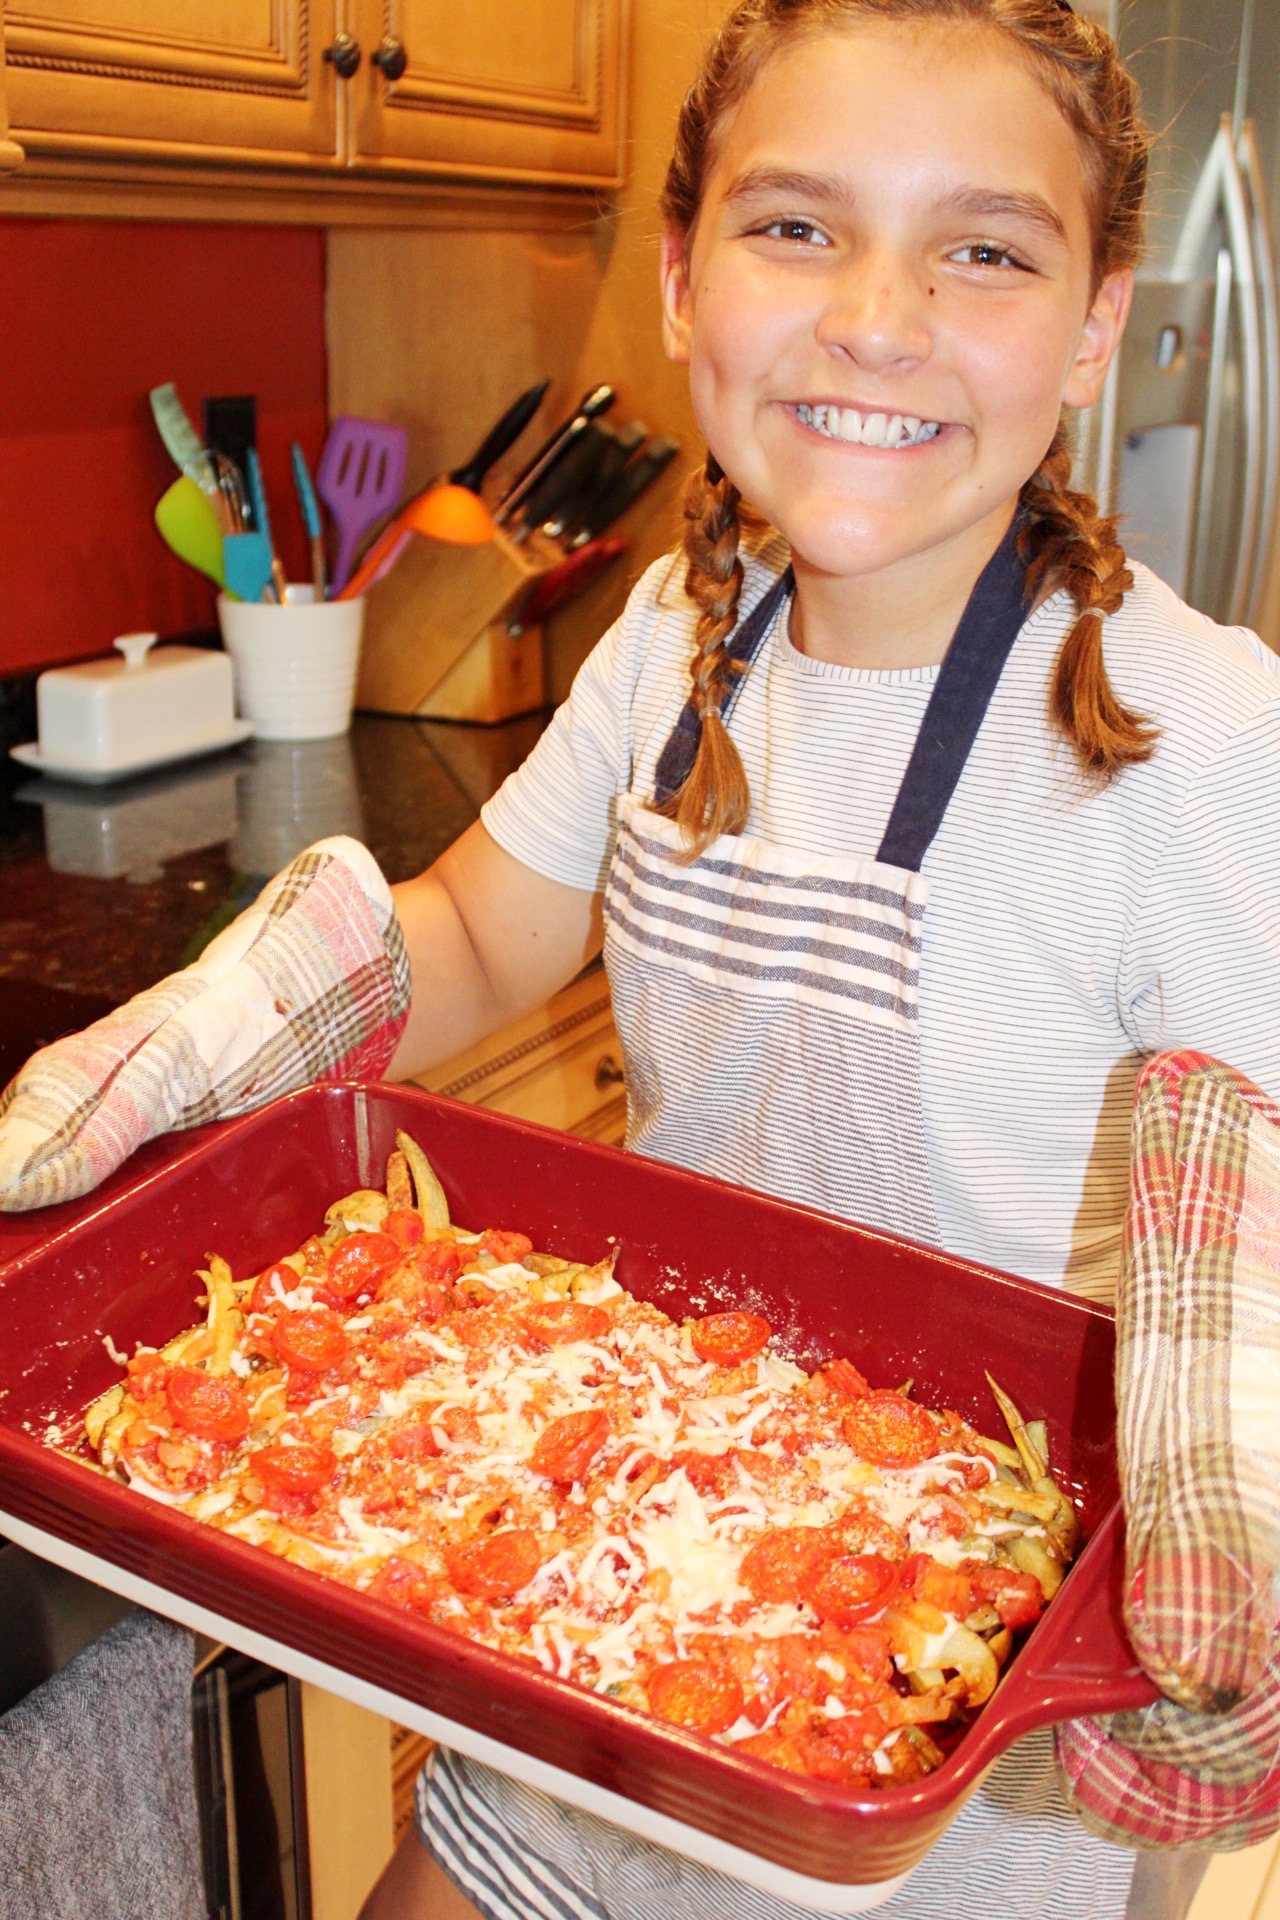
843 1378
554 1323
298 1469
506 1248
497 1566
566 1447
358 1263
268 1287
781 1564
702 1695
851 1587
312 1338
1017 1597
210 1405
888 1430
404 1226
729 1338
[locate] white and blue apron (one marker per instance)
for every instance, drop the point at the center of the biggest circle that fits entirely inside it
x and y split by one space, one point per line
768 1005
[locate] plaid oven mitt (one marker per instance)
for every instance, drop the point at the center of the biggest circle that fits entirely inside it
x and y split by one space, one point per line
310 983
1198 1376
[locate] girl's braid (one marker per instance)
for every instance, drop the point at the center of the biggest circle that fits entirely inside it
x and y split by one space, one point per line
1068 543
715 799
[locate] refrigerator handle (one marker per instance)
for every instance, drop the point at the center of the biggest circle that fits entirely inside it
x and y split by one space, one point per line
1240 238
1265 263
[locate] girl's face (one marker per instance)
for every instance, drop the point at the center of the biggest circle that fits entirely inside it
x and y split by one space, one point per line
887 298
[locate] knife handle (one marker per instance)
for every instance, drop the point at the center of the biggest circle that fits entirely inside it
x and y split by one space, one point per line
568 578
499 438
627 488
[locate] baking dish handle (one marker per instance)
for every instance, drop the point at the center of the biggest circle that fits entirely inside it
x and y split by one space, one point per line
1079 1661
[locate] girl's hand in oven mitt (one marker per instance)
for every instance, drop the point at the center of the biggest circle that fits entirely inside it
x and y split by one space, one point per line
310 983
1198 1373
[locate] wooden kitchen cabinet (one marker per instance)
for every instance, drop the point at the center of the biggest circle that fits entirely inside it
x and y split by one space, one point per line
230 108
515 89
560 1066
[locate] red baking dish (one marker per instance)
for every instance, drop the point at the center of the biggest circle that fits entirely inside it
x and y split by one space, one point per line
255 1188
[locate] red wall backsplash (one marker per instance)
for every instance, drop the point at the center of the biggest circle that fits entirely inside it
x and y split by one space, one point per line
92 315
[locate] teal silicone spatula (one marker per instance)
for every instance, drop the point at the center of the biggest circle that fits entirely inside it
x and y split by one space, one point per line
189 525
246 559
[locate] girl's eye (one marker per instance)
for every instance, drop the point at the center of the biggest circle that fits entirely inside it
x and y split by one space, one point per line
803 231
985 253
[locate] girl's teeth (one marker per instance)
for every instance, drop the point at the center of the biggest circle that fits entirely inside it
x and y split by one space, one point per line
869 430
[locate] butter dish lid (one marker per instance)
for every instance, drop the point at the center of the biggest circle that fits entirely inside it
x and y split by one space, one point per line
134 655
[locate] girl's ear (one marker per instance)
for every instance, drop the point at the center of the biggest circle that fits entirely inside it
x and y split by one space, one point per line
1103 330
677 300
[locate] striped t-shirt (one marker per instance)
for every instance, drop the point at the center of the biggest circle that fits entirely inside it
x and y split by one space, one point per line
1070 931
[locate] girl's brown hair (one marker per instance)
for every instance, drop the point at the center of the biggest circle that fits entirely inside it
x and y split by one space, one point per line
1066 543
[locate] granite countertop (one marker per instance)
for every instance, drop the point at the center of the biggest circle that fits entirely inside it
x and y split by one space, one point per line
104 890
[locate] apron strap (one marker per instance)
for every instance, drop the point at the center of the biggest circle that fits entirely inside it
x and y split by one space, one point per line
958 705
681 750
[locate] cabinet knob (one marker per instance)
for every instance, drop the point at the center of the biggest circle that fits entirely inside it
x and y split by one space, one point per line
344 56
608 1073
391 57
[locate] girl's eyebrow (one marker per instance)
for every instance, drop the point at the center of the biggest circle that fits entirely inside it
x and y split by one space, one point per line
974 202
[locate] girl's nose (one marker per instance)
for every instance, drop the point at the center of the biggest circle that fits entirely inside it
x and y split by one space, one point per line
877 315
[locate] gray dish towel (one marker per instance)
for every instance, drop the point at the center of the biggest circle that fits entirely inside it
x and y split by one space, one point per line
97 1795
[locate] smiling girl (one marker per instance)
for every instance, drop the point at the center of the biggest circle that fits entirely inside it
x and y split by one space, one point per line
910 818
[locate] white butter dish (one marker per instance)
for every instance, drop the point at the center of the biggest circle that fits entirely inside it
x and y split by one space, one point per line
141 708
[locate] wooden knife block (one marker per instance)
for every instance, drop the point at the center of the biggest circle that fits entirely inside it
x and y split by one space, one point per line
436 639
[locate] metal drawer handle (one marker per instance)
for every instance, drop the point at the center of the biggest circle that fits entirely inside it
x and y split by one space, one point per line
391 57
344 56
608 1073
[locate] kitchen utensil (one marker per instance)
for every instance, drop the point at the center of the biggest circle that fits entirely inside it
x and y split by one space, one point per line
231 426
627 488
568 481
310 507
110 718
255 1187
451 514
188 523
502 435
295 664
572 576
360 478
262 519
592 404
246 561
620 444
182 443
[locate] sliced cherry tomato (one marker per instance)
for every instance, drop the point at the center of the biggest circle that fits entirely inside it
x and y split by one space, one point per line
301 1468
506 1248
851 1587
729 1338
566 1447
266 1293
441 1260
779 1749
312 1338
891 1431
554 1323
703 1695
358 1263
843 1378
709 1474
497 1566
413 1443
404 1226
943 1587
780 1566
425 1299
210 1405
1017 1597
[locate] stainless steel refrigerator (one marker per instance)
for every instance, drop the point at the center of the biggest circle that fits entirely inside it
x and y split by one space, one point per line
1185 444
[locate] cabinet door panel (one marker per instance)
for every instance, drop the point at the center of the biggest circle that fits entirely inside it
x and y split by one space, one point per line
171 79
525 88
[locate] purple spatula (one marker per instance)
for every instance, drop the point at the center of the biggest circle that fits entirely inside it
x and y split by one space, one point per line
360 478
